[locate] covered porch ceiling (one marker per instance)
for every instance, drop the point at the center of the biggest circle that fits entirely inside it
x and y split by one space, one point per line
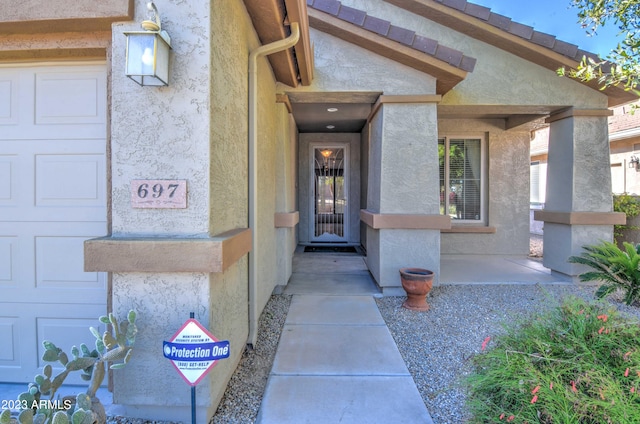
349 112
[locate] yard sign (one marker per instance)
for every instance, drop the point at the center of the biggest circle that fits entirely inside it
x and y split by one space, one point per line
193 351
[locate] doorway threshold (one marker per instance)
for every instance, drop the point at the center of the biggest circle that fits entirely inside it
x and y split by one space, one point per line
331 249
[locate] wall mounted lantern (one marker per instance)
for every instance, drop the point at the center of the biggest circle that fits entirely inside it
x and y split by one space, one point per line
148 52
634 162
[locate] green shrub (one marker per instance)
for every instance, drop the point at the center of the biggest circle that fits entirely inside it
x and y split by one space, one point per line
616 268
577 363
630 206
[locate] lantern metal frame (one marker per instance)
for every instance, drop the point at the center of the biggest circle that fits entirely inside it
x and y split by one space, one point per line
147 52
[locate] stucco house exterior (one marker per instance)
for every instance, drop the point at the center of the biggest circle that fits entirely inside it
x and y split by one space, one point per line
624 145
402 126
624 138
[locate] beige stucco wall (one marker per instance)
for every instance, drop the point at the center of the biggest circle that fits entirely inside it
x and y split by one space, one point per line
499 77
35 30
195 129
507 160
342 66
273 134
163 133
36 10
286 193
625 178
403 167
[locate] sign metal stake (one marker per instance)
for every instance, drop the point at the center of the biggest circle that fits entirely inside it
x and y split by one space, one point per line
193 390
193 351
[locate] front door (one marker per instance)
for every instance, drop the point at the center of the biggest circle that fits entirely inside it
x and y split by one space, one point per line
329 184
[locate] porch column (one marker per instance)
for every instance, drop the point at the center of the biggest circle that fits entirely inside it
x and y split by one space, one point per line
579 206
402 215
169 259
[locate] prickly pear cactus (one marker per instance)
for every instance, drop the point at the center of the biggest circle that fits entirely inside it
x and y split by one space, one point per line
113 348
5 417
60 418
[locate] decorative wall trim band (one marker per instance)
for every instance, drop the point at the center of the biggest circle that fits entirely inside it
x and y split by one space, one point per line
581 218
403 98
410 98
462 229
404 221
165 254
283 98
571 112
286 219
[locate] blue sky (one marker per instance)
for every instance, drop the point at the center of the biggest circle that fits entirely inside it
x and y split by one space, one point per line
558 18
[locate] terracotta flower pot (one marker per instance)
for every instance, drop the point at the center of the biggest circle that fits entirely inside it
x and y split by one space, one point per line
417 282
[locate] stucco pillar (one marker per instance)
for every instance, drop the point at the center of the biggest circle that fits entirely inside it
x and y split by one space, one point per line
168 262
578 209
402 215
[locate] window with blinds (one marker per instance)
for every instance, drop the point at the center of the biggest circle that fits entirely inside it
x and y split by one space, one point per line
461 178
534 181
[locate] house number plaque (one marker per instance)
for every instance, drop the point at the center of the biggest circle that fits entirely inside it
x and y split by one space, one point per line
159 194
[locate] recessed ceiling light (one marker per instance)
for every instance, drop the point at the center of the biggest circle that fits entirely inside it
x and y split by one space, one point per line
331 126
332 109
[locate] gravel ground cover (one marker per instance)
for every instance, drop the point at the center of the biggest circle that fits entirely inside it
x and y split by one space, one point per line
242 398
436 345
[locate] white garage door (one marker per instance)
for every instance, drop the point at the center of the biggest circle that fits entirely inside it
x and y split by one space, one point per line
52 198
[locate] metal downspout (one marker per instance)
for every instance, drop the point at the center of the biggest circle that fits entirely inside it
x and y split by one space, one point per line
267 49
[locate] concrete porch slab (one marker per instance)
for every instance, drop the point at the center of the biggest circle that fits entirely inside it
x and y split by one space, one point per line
359 283
320 263
334 310
337 350
491 269
343 399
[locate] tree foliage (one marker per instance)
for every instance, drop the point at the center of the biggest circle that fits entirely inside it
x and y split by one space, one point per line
622 65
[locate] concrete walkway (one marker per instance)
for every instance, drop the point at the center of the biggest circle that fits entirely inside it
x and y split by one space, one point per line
336 360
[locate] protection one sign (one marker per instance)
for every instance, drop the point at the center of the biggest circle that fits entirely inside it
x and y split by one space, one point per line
194 351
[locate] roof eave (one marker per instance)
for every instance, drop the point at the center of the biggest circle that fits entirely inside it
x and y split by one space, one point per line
514 44
270 19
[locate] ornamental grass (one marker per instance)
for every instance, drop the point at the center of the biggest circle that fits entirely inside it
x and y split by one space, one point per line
576 363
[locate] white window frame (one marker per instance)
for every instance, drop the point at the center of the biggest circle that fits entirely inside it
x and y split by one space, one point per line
484 183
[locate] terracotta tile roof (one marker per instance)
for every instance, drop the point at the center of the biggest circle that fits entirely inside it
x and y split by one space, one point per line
624 118
398 34
520 30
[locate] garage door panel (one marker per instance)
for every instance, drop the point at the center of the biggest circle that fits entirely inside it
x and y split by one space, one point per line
70 180
9 98
55 325
8 180
17 271
8 259
44 262
27 328
49 132
69 97
63 102
17 326
53 197
60 264
67 332
9 336
45 186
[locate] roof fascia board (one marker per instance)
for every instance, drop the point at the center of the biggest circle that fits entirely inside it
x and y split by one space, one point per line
267 17
297 12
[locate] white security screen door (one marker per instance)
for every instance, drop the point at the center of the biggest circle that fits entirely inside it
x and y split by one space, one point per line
53 190
329 179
